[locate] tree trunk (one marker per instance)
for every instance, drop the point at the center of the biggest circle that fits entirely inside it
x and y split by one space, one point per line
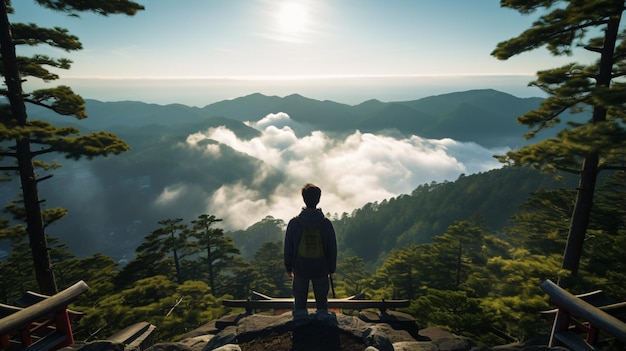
34 219
459 262
589 171
580 220
210 267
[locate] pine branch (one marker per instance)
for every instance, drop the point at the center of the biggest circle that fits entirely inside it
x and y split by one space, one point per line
44 178
567 170
611 168
41 152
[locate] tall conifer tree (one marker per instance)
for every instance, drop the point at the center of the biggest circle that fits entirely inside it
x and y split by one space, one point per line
219 249
19 135
580 147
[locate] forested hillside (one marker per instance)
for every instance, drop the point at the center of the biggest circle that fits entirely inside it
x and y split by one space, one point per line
490 198
372 231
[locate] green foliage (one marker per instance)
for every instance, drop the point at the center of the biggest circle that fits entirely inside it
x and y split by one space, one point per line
172 237
98 271
16 273
541 224
461 314
399 274
350 277
431 208
216 249
174 308
269 229
245 278
268 262
100 7
604 262
145 265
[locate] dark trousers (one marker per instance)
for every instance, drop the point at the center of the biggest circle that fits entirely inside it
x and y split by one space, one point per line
301 291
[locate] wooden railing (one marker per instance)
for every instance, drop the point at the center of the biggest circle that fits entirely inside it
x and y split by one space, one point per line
44 325
576 314
259 301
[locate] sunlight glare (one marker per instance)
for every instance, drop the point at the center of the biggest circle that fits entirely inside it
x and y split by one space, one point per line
292 19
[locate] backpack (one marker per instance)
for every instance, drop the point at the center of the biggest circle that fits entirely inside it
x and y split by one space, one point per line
310 245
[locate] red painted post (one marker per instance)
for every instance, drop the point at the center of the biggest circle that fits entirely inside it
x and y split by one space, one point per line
62 322
25 336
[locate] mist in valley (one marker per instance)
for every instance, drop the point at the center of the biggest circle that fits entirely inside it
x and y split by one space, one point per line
113 203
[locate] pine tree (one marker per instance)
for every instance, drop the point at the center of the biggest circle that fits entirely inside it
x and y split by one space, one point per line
401 273
351 275
219 249
245 278
541 224
171 237
25 134
588 147
268 261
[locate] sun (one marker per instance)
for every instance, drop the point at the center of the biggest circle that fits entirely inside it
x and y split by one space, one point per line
292 19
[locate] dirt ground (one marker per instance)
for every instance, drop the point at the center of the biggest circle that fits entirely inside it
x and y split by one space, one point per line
311 338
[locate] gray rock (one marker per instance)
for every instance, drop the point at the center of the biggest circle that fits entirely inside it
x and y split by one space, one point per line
224 337
205 329
196 343
168 346
375 336
435 333
98 345
259 323
229 347
454 344
414 346
397 320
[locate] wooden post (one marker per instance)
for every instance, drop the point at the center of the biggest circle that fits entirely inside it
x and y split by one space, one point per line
561 323
62 322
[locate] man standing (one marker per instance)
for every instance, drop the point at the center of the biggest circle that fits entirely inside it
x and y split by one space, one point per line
310 252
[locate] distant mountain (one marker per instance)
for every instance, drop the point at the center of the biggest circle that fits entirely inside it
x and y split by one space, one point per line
487 117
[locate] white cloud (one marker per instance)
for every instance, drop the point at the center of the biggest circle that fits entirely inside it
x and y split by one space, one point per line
194 141
170 194
352 171
279 120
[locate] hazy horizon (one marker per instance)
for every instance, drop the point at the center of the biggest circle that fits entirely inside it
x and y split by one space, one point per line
348 90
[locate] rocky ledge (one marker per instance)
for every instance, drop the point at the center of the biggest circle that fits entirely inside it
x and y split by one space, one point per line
369 331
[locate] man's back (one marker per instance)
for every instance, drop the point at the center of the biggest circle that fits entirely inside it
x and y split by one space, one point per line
302 253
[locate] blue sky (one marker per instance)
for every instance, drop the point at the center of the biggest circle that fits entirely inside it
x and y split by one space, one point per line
197 52
200 51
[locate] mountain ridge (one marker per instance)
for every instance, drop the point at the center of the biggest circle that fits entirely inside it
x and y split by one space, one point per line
470 112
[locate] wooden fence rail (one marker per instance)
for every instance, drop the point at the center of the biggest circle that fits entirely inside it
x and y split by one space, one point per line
44 325
259 302
574 311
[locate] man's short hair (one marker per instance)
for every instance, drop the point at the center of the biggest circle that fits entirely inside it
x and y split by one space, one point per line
311 194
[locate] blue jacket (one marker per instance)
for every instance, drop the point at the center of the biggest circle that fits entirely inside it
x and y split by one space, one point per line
310 267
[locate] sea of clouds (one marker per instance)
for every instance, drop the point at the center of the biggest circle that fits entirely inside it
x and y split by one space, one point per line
351 170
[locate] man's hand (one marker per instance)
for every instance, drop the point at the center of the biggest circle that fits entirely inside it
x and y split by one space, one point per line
290 274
